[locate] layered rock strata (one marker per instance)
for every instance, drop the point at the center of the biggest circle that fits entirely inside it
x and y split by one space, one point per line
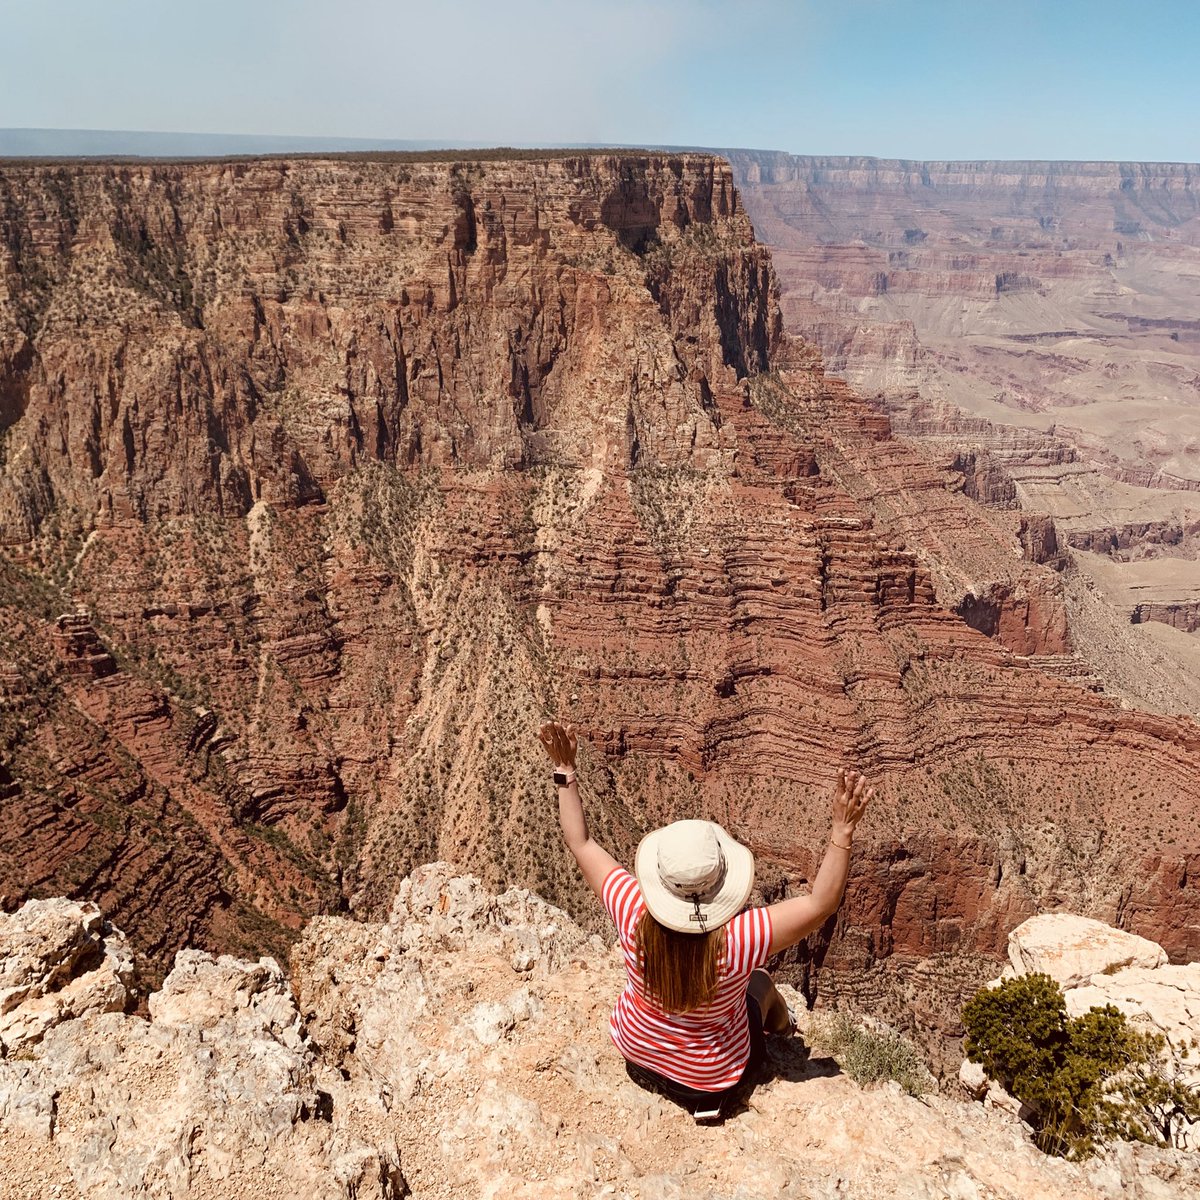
326 481
1049 301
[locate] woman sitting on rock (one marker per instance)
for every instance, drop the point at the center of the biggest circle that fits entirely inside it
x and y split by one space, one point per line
696 1003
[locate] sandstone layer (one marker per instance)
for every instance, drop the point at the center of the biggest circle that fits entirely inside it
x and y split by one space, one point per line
325 481
460 1049
1037 319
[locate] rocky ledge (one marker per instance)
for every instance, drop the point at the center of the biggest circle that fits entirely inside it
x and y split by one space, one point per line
457 1049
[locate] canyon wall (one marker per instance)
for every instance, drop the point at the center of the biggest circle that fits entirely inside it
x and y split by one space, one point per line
325 481
1038 314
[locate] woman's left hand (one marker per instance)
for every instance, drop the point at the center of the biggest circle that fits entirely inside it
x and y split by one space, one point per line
850 799
560 742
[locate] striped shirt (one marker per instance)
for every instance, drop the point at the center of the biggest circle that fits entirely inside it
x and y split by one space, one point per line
705 1049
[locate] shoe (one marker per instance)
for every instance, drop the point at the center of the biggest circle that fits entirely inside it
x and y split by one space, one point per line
791 1026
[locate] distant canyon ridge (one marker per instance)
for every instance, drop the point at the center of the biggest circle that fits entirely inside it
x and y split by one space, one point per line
1039 324
323 481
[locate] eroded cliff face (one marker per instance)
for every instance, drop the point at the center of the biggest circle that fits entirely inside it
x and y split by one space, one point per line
1037 321
218 381
325 481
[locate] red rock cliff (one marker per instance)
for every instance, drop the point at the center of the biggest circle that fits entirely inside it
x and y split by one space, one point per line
348 472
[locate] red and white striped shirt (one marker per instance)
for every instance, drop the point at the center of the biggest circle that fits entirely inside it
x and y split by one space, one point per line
705 1049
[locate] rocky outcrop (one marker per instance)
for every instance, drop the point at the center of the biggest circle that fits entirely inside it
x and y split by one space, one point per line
1097 965
1148 537
58 960
214 1094
1184 616
984 478
1163 1000
1150 477
1072 949
1028 621
461 1047
1039 540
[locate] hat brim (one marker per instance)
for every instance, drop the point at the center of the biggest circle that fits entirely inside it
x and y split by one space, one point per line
676 913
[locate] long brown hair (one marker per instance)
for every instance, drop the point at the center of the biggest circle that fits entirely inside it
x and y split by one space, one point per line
679 970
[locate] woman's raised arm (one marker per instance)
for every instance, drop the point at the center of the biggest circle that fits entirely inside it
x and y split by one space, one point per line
796 918
594 861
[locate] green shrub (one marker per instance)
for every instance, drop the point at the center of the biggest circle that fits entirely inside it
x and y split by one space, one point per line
867 1055
1086 1079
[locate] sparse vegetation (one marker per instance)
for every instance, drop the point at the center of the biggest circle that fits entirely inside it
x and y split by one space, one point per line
668 501
869 1055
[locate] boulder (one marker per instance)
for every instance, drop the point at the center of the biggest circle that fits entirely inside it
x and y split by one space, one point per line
1072 949
973 1079
58 959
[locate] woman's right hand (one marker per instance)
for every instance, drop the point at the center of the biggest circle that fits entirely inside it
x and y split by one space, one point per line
560 742
850 799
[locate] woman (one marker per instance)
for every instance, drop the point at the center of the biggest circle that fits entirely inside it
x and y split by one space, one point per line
696 1001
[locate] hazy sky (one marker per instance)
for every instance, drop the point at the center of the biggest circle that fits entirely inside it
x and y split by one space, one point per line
904 78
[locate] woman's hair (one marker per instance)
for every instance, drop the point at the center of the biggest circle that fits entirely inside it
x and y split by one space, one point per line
679 970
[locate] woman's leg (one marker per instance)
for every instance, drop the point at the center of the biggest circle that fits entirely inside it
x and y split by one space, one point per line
771 1004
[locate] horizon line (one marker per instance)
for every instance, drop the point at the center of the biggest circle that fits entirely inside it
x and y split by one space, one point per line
320 144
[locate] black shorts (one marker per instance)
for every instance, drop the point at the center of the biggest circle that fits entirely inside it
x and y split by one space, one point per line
695 1100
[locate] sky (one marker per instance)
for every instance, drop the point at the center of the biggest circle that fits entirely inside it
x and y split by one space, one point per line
1076 79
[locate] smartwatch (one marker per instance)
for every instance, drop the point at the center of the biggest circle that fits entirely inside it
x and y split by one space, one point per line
563 779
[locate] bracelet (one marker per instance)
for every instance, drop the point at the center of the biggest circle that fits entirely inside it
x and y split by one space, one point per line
839 845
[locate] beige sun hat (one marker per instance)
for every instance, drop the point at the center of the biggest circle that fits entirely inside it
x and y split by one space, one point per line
694 876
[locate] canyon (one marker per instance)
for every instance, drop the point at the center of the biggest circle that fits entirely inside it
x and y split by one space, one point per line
323 481
1038 320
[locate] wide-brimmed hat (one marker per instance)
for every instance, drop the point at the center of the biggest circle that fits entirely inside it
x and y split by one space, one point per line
694 876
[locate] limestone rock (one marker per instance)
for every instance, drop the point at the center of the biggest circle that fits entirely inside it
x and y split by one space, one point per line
1163 1000
216 995
218 1090
437 909
58 960
1097 965
504 1082
973 1079
1166 997
431 1049
1072 949
369 988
